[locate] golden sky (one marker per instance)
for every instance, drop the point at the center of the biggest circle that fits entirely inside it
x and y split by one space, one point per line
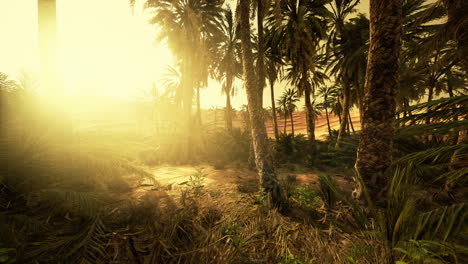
104 49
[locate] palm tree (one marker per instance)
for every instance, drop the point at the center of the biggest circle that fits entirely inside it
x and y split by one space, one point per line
298 30
282 111
264 163
47 23
228 67
374 154
327 92
273 61
291 106
288 102
347 54
458 26
188 25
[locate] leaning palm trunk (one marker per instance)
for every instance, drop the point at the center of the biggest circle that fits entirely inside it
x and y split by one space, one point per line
456 12
273 109
328 122
263 161
309 118
374 154
345 113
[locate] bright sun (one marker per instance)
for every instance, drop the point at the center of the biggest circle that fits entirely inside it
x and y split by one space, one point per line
104 49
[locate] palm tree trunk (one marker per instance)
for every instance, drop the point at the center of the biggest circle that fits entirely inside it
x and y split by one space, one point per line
187 112
429 98
359 98
199 119
453 138
339 117
47 23
285 122
344 113
228 113
456 12
292 122
309 118
350 122
267 174
273 109
374 154
328 122
261 51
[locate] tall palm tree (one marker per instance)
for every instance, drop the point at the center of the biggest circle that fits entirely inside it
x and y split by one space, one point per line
47 22
374 154
298 30
228 67
347 54
187 25
263 161
273 62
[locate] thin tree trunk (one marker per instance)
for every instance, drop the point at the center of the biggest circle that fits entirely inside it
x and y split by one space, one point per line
350 122
328 122
374 154
454 134
344 113
309 118
187 110
273 109
456 12
267 174
285 122
228 112
199 119
292 122
429 99
359 101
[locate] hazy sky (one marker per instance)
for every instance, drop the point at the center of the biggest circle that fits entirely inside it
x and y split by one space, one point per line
104 49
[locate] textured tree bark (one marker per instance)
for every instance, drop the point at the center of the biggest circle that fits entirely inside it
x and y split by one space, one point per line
273 109
309 119
228 103
267 174
456 12
374 154
345 113
261 51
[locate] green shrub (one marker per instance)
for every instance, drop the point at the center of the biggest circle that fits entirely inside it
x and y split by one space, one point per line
290 149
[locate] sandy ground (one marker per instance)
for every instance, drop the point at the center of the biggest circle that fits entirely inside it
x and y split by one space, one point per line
170 180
